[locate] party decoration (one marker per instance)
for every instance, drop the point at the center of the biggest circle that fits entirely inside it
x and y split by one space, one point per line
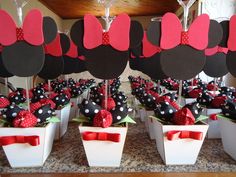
23 53
106 61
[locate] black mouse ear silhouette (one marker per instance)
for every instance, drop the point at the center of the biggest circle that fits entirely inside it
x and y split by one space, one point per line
215 34
65 43
3 71
49 29
77 33
136 34
225 27
154 33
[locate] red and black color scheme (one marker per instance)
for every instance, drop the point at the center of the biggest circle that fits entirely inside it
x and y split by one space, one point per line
23 53
106 53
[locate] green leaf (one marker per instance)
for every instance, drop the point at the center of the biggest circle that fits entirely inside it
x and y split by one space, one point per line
54 120
201 118
126 120
81 119
221 116
3 122
141 106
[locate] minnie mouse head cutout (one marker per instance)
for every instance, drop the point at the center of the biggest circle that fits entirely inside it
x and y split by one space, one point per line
150 58
70 57
183 49
23 53
216 57
231 43
106 53
54 63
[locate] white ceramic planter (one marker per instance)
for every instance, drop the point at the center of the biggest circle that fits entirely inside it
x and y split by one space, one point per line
179 151
104 153
149 124
214 127
62 126
185 101
25 155
228 132
74 110
143 114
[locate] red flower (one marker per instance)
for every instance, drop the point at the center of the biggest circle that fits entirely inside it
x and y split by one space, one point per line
184 117
213 117
110 104
52 95
25 119
35 106
218 101
48 101
195 93
67 92
102 119
212 87
4 102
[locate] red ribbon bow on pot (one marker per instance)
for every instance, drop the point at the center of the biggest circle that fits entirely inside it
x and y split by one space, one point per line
174 135
101 136
8 140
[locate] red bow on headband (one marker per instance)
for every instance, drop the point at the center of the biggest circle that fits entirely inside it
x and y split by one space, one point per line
217 49
8 140
54 48
232 34
173 34
101 136
117 36
148 48
174 135
31 31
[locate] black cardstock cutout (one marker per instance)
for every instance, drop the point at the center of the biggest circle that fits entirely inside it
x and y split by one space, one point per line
182 62
216 65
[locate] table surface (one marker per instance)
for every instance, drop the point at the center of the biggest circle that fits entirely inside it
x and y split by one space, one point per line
140 155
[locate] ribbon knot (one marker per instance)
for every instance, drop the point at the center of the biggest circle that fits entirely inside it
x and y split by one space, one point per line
19 34
184 38
8 140
174 135
101 136
105 38
222 50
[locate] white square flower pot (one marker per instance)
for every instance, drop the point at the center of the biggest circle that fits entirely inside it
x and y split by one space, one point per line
143 114
149 124
25 155
104 153
228 132
74 110
63 116
214 127
185 101
178 151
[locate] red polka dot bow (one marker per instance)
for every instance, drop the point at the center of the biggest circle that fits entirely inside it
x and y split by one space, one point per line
172 33
31 31
117 36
